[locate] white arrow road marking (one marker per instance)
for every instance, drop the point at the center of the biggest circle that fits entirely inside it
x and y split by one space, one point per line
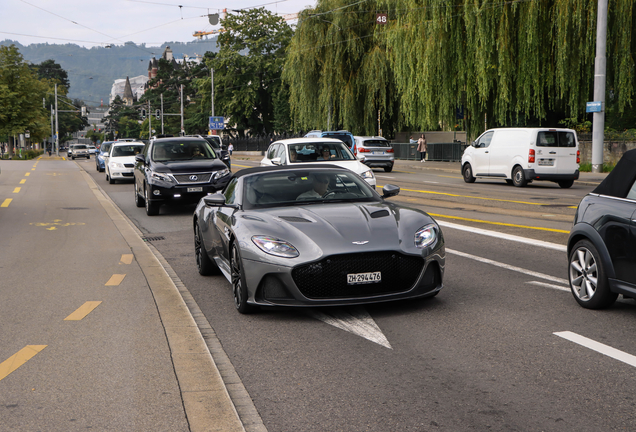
547 285
355 320
598 347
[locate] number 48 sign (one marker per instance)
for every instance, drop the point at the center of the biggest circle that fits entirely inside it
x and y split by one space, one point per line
381 18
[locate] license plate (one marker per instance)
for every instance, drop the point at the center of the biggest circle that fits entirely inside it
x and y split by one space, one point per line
378 152
546 162
195 189
364 278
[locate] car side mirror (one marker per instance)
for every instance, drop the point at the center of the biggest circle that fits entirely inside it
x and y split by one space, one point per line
140 158
474 144
215 200
390 190
276 161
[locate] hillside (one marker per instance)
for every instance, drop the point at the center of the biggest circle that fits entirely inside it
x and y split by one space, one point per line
92 71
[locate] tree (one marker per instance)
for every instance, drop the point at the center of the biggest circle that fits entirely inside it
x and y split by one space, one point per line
247 70
123 119
21 96
52 71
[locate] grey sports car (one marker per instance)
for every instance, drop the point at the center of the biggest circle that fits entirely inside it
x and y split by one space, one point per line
320 236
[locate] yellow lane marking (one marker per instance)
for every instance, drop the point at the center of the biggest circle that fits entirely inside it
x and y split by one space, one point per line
27 174
115 279
32 169
450 176
6 202
52 226
82 311
126 259
242 166
404 172
23 181
499 223
16 190
474 197
18 359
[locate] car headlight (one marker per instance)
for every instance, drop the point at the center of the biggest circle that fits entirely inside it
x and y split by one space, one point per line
221 173
367 174
162 177
425 236
116 165
276 247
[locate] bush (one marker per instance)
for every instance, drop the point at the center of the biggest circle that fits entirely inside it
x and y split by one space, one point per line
587 167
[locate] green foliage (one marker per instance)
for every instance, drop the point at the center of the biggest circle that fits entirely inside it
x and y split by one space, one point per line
247 71
123 119
95 136
587 167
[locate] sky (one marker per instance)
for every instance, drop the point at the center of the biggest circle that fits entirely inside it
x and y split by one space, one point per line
92 23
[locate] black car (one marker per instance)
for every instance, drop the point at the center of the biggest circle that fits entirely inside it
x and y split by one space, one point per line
177 170
602 244
217 144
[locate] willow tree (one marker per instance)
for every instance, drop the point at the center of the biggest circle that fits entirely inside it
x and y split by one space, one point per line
504 62
338 70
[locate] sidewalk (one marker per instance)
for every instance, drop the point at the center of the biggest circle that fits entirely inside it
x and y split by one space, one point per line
586 178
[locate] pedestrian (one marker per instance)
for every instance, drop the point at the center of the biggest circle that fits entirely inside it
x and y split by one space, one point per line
230 148
421 147
412 141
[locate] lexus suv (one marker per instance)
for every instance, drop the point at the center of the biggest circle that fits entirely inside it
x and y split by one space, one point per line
602 243
177 170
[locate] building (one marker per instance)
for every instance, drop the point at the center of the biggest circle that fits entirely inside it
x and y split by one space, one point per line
137 86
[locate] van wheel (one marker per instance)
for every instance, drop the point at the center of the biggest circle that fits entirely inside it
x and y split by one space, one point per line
518 177
565 183
467 172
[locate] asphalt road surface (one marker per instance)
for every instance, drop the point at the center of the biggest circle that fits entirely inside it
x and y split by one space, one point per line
503 347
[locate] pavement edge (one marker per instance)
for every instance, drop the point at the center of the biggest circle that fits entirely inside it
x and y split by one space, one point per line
213 395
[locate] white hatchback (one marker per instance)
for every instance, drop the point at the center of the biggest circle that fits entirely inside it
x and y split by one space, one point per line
315 152
121 160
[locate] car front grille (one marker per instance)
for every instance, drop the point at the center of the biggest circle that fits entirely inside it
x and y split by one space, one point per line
129 165
328 278
188 178
125 174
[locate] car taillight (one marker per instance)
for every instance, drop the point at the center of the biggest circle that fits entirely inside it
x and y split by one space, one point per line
578 156
389 150
531 156
363 150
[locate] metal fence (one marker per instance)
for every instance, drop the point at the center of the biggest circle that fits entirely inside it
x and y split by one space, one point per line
259 143
447 152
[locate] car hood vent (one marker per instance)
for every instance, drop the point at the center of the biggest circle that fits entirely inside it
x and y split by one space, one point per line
294 219
379 213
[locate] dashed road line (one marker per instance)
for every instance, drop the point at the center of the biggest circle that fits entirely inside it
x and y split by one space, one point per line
126 259
547 285
82 311
18 359
115 279
23 181
598 347
500 223
17 190
6 202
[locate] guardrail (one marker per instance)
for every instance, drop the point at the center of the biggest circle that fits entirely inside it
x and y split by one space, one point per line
447 152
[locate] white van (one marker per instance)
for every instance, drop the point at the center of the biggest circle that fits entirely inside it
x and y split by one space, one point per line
521 155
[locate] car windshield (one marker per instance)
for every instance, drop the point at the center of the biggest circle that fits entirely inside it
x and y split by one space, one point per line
213 142
105 147
376 143
79 146
345 138
316 152
285 188
182 150
127 150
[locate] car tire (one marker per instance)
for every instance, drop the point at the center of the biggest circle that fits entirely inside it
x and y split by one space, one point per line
388 169
152 209
565 184
111 180
73 157
139 201
205 265
519 177
467 173
239 287
509 181
588 281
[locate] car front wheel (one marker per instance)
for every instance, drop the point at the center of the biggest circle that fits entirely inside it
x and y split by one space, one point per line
239 288
588 280
139 201
467 173
152 209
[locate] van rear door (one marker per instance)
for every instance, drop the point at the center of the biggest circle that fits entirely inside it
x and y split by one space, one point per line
556 152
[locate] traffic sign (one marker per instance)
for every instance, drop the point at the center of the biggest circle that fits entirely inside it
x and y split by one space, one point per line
217 123
592 107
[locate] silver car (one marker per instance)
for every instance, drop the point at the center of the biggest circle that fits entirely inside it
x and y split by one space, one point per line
375 152
315 236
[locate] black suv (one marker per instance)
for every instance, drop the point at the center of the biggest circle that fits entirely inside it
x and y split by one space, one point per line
217 144
177 170
602 243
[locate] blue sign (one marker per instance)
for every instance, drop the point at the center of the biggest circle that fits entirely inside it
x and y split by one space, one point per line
217 123
593 107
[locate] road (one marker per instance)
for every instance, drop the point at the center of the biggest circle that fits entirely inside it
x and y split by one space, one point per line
503 347
487 353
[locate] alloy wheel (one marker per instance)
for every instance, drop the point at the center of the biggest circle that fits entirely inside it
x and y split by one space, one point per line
583 274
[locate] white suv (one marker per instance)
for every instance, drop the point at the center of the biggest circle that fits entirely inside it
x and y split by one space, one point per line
374 152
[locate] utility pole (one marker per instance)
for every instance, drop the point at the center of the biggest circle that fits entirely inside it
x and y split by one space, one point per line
182 128
57 127
598 119
161 113
149 122
212 86
52 132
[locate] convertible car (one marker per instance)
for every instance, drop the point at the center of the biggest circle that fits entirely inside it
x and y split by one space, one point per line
315 236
